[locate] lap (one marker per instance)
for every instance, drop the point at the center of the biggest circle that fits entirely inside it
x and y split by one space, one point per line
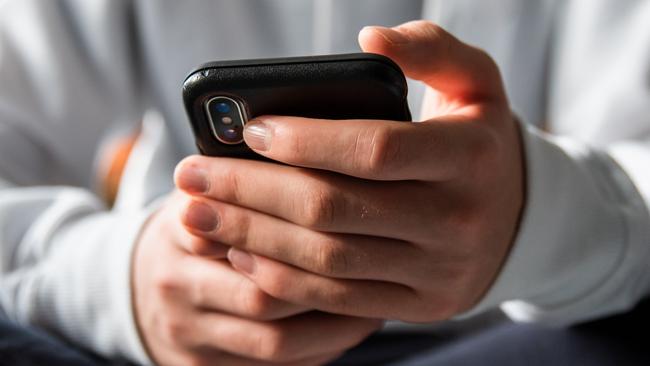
20 346
618 340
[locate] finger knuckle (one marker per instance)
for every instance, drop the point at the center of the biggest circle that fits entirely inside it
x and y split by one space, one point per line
320 207
464 216
256 303
273 345
279 284
166 284
229 185
441 39
235 226
174 330
339 297
381 153
432 28
467 224
331 258
201 292
481 151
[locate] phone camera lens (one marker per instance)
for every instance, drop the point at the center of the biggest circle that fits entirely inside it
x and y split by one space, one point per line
223 108
226 118
232 134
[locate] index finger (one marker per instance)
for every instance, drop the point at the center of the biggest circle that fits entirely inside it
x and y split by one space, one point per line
369 149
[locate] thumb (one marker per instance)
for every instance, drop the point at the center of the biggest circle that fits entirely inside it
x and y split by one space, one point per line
428 53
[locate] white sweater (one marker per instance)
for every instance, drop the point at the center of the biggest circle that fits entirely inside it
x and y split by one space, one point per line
75 72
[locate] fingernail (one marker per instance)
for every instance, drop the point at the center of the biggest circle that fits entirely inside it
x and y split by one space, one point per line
241 260
389 34
201 217
257 136
192 179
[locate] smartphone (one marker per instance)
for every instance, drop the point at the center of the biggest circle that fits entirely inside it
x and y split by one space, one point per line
221 97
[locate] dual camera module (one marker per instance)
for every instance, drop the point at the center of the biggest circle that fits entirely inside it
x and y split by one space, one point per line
226 117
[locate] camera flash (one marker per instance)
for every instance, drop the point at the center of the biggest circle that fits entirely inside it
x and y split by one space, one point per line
226 120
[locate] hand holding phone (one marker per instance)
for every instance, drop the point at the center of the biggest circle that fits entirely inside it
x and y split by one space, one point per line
390 220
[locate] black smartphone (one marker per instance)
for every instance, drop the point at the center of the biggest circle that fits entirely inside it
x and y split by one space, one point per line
220 97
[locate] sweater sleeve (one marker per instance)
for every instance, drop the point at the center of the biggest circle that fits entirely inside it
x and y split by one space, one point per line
69 272
67 81
583 249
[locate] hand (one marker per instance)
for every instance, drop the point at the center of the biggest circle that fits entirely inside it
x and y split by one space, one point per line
192 308
408 221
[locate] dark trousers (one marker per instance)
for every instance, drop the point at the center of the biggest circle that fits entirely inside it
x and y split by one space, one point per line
621 340
20 346
618 340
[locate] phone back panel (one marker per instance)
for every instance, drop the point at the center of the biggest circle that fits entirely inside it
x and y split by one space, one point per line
355 86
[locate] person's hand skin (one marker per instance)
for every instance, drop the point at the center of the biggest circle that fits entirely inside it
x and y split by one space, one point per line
407 221
193 308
